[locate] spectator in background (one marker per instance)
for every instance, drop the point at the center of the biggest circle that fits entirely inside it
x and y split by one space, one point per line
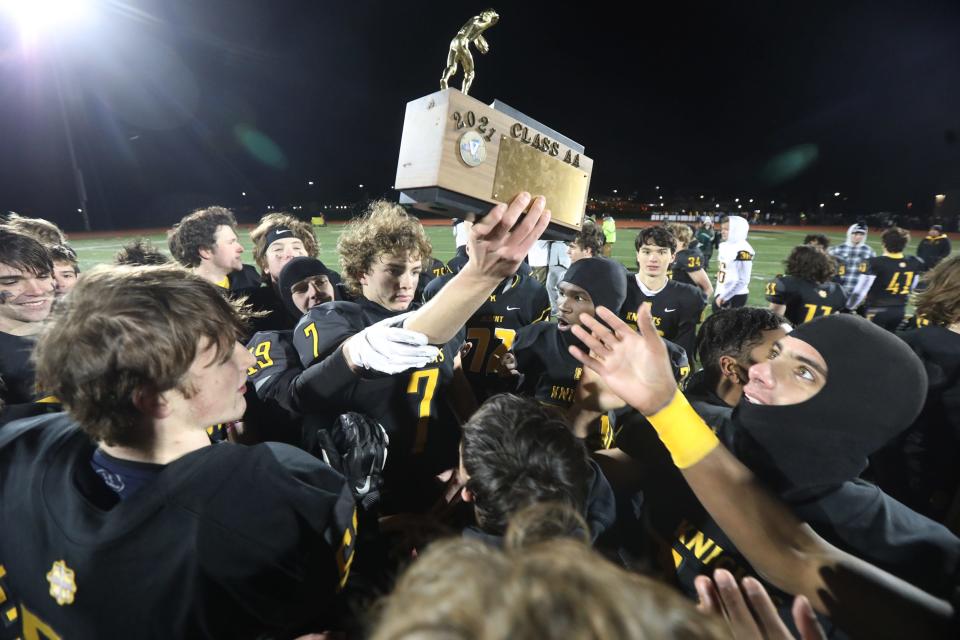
851 255
588 243
934 248
610 234
817 241
140 252
704 236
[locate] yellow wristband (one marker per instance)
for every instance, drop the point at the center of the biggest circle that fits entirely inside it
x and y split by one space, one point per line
684 433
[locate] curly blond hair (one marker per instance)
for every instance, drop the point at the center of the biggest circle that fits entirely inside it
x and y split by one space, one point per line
300 229
385 229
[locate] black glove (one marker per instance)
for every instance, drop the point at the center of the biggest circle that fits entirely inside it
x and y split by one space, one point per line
356 446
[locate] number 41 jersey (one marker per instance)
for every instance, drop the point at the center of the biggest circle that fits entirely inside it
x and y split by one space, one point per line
895 275
518 301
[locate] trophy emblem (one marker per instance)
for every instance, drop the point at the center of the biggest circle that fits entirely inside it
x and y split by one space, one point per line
459 156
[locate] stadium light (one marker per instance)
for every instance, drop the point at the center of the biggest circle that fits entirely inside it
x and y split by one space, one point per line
821 205
836 194
939 198
35 17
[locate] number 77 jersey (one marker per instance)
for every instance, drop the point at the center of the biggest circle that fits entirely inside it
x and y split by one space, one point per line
805 300
518 301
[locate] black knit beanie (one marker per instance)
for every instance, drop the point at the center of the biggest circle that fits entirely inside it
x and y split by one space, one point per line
295 271
604 279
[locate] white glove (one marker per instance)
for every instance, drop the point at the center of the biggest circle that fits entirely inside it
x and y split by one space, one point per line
389 349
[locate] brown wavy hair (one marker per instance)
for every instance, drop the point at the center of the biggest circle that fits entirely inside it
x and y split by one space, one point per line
125 329
810 264
385 228
198 231
41 230
939 301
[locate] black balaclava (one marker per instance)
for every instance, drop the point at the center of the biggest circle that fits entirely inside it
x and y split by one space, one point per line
604 279
295 271
875 388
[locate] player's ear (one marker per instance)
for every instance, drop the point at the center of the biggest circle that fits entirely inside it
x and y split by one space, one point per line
151 403
466 494
729 369
205 253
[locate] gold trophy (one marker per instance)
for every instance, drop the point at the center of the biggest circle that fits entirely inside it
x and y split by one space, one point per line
459 156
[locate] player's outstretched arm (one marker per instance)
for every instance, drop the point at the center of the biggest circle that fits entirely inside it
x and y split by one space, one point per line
498 243
863 599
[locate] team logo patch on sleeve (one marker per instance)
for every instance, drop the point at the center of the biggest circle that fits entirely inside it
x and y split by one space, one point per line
745 256
63 584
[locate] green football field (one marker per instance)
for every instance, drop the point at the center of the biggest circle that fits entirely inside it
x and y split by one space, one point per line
772 248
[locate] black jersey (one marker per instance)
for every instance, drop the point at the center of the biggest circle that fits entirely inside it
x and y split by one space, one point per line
241 282
412 406
676 310
459 259
435 270
895 276
921 466
16 369
518 301
550 373
273 415
686 261
227 541
805 300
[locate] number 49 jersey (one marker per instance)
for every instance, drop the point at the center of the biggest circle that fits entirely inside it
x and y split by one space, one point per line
805 300
517 302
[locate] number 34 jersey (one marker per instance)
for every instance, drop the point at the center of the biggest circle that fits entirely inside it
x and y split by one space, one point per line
518 301
805 300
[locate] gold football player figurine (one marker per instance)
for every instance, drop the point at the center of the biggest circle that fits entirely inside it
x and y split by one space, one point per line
460 48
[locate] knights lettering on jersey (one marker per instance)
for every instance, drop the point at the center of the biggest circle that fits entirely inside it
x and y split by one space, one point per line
676 310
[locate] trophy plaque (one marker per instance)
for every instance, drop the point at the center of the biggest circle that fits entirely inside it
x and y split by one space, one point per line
459 156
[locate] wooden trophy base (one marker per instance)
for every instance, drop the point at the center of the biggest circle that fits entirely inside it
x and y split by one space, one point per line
460 157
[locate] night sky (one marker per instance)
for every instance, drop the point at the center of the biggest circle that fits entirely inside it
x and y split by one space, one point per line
176 104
